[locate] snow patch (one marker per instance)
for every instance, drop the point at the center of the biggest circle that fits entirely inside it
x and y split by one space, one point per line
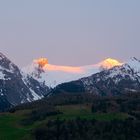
2 75
25 80
135 65
7 70
35 96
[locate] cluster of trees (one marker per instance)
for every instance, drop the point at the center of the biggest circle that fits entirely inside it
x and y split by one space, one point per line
126 102
80 129
40 114
89 130
112 104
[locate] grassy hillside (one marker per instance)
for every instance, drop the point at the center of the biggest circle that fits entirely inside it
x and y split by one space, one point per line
11 127
24 121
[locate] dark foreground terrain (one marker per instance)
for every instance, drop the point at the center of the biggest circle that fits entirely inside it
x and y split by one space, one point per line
74 117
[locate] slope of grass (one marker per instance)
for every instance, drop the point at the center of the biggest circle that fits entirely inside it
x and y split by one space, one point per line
84 112
11 129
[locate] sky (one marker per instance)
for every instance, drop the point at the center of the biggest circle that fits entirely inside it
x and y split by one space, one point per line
69 32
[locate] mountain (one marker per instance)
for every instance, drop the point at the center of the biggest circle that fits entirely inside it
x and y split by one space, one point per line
4 104
16 87
53 75
114 81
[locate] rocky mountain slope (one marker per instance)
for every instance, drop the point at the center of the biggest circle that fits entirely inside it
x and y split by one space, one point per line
108 77
114 81
17 87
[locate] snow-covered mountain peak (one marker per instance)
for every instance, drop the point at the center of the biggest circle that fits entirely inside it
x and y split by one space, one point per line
134 59
2 56
130 68
109 63
6 65
117 80
41 62
134 64
17 86
53 75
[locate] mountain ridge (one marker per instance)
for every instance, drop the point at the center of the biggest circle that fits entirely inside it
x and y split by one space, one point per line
17 87
114 81
54 75
108 77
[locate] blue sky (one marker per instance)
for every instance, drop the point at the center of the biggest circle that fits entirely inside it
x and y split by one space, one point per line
69 32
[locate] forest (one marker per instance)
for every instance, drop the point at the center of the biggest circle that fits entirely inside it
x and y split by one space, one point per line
82 117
